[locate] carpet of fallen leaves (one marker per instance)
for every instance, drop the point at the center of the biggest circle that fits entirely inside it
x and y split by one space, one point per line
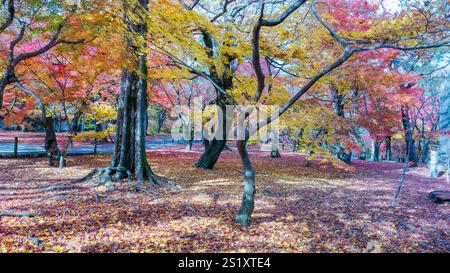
298 209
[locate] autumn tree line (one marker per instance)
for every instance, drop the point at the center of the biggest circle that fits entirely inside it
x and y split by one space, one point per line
349 76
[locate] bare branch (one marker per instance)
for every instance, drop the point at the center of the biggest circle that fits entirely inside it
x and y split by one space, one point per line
256 42
332 32
54 41
284 15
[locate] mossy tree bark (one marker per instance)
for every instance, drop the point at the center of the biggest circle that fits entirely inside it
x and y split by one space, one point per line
129 148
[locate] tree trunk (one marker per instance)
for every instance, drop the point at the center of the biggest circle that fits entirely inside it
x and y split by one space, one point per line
425 152
215 147
444 126
248 199
388 148
129 147
211 154
205 143
338 105
376 151
409 138
74 126
51 144
59 123
345 157
3 83
275 152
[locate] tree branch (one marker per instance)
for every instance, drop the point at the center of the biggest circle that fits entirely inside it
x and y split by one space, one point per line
54 41
256 42
10 17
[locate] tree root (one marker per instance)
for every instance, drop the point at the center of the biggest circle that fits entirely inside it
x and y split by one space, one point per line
22 215
107 179
103 171
164 182
63 188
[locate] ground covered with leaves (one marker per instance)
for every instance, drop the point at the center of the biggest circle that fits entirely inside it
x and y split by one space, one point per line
298 209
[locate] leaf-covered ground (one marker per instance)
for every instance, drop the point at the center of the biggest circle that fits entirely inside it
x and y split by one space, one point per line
298 209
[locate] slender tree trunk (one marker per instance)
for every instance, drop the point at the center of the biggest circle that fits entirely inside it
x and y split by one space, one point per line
248 199
59 123
409 138
425 152
6 78
376 151
74 126
275 153
388 148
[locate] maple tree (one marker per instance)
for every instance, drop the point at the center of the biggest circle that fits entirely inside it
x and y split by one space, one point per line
32 28
331 65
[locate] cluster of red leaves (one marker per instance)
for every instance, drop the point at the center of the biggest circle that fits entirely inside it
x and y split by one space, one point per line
298 209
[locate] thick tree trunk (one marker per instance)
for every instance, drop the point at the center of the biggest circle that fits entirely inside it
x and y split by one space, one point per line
51 144
129 148
205 143
215 146
411 147
248 199
275 153
211 154
338 105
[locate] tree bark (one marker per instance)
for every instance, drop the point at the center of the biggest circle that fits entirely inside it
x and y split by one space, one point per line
248 199
51 144
215 147
74 124
376 151
129 147
388 154
409 138
211 154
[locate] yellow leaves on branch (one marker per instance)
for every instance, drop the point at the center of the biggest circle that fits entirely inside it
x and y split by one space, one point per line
101 113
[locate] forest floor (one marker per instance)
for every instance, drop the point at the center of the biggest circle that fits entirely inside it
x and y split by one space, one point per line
298 209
